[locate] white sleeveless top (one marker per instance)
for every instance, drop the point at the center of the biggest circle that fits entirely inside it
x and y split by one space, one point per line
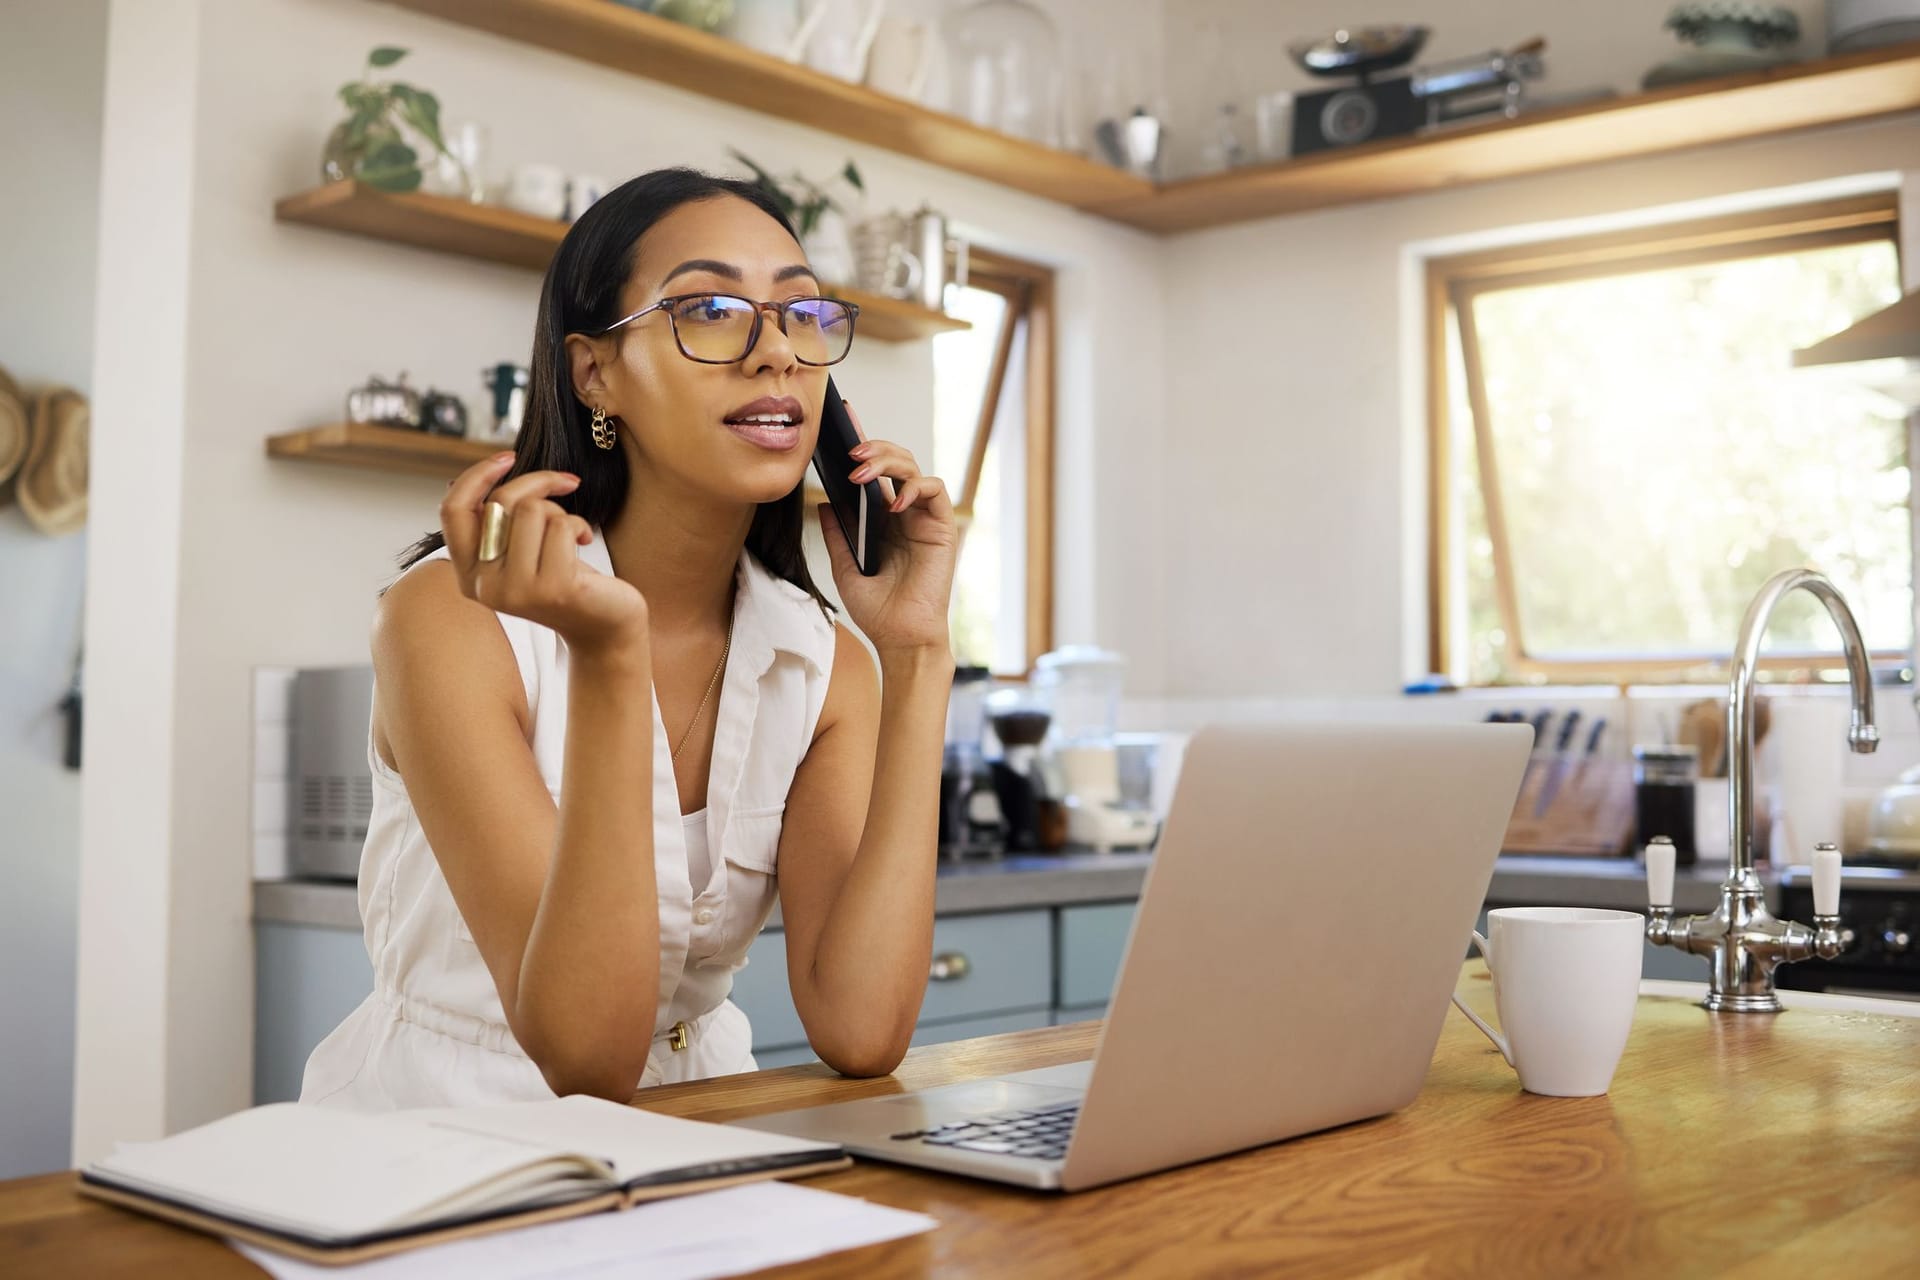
434 1033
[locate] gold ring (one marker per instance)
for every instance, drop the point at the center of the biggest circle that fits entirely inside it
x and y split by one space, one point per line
493 533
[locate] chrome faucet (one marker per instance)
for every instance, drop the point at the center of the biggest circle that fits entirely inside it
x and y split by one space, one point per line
1742 939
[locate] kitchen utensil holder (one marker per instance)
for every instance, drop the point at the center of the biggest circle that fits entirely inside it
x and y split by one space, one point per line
1587 813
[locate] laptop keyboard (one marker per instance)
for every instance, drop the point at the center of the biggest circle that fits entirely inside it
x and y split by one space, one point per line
1039 1133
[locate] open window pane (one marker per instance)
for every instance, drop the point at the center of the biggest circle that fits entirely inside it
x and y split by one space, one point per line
1658 458
989 596
1475 629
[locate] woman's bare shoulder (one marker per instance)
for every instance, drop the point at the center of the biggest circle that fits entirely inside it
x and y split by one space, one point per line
853 686
430 639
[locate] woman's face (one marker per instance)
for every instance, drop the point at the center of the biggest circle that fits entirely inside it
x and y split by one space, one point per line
688 423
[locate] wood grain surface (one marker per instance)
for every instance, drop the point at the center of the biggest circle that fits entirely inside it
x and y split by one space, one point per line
1730 1145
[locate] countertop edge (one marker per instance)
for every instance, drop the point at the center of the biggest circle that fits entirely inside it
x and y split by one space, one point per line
1040 882
962 889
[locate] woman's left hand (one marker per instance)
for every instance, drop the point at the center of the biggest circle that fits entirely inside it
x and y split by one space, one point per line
904 606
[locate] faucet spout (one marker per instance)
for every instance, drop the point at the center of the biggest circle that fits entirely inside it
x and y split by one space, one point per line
1862 735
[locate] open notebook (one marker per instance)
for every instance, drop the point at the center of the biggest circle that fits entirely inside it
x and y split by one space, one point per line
337 1186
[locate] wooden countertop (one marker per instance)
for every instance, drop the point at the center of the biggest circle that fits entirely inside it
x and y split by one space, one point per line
1730 1145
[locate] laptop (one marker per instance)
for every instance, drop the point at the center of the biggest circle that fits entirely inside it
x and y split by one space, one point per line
1300 930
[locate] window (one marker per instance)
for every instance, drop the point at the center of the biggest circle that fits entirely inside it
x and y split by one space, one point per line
1622 453
993 442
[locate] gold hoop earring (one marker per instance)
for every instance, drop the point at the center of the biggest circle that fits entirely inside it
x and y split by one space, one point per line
602 429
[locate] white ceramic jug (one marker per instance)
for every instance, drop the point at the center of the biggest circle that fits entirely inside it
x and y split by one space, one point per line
838 37
903 56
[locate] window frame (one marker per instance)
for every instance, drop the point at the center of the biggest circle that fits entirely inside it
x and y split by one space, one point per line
1453 282
1028 289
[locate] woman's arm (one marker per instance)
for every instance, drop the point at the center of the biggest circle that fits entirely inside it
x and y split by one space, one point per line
857 854
862 829
561 901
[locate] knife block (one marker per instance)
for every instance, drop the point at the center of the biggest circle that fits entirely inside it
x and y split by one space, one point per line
1579 808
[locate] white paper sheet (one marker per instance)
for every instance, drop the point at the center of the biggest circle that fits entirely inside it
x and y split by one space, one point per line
698 1237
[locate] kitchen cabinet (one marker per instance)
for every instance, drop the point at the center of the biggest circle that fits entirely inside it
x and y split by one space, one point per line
995 972
1092 941
306 979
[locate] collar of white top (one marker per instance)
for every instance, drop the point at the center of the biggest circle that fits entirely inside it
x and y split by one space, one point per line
764 617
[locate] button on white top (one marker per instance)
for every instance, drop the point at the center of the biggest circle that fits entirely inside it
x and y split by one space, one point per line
703 916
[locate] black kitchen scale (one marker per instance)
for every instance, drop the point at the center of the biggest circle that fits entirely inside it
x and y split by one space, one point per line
1372 107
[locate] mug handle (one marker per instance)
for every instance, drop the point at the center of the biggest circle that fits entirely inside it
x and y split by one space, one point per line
908 269
1499 1041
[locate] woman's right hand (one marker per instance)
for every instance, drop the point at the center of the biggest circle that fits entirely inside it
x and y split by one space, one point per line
540 577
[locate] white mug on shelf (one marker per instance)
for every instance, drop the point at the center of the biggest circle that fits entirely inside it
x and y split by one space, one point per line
1565 981
538 189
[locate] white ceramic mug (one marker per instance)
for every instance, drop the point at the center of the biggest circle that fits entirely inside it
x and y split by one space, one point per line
538 189
1565 981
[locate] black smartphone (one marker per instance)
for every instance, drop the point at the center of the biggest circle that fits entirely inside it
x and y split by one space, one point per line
861 509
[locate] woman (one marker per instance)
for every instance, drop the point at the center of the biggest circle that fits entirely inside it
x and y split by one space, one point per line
607 713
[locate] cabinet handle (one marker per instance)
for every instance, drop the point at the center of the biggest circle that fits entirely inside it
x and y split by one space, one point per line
949 966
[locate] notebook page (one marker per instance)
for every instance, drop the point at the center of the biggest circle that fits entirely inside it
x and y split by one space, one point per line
327 1174
636 1143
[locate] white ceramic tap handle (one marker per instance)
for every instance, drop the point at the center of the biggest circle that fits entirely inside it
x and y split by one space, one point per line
1660 872
1826 880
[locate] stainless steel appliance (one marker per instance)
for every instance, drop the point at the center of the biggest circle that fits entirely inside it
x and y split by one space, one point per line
1488 83
331 796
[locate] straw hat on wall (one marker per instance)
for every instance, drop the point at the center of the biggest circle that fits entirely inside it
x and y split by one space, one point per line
53 479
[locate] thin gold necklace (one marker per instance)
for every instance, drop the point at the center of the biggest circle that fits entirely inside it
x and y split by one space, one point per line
712 684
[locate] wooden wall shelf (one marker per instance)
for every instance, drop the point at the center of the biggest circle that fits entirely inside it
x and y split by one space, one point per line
1757 104
624 39
361 444
1783 99
521 240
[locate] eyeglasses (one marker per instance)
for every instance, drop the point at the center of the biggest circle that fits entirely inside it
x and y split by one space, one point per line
719 328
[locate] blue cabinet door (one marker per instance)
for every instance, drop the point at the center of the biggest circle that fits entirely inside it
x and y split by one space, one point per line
1093 940
999 962
306 980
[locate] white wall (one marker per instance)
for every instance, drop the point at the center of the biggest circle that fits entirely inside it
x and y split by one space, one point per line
277 563
52 66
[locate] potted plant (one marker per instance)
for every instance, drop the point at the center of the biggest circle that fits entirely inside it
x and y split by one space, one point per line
816 215
371 143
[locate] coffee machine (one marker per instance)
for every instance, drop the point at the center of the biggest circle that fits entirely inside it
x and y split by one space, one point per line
970 820
1035 821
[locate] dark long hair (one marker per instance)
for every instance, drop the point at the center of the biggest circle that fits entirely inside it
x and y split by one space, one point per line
581 294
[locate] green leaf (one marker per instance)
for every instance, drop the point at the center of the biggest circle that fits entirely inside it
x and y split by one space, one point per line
385 56
421 110
852 175
764 178
407 179
391 166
